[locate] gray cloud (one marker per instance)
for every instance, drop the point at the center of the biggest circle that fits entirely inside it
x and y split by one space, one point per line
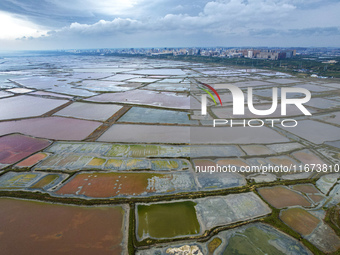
183 22
216 17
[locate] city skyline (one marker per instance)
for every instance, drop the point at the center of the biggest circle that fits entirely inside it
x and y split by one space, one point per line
50 24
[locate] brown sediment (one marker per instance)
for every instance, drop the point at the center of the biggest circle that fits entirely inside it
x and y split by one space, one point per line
41 228
282 160
280 197
316 198
307 157
300 220
306 188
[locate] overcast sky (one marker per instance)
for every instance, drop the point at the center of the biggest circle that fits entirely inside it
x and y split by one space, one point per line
65 24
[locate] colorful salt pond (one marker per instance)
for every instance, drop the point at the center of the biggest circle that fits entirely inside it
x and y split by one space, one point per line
147 154
251 239
142 150
207 181
30 180
312 228
104 86
32 160
282 160
307 157
167 220
50 94
105 185
143 80
19 90
150 115
235 135
215 180
310 130
284 147
72 91
173 87
255 240
256 150
219 211
324 238
159 220
13 180
323 103
44 82
90 75
334 118
89 111
161 71
300 220
306 188
144 97
121 77
284 81
47 181
57 128
17 147
42 228
146 134
27 106
280 197
5 94
76 161
194 135
326 182
316 198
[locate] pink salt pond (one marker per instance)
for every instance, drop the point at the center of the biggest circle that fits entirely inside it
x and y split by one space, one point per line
17 147
195 135
57 128
89 111
27 106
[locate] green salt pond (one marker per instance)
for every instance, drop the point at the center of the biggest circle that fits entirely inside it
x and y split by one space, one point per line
253 241
167 220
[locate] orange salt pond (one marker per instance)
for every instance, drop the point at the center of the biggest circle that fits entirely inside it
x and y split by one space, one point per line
32 160
107 184
103 185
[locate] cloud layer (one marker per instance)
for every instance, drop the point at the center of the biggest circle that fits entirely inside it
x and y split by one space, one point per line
197 23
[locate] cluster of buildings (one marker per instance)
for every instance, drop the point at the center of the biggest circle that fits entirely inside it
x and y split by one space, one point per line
228 53
271 54
249 53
